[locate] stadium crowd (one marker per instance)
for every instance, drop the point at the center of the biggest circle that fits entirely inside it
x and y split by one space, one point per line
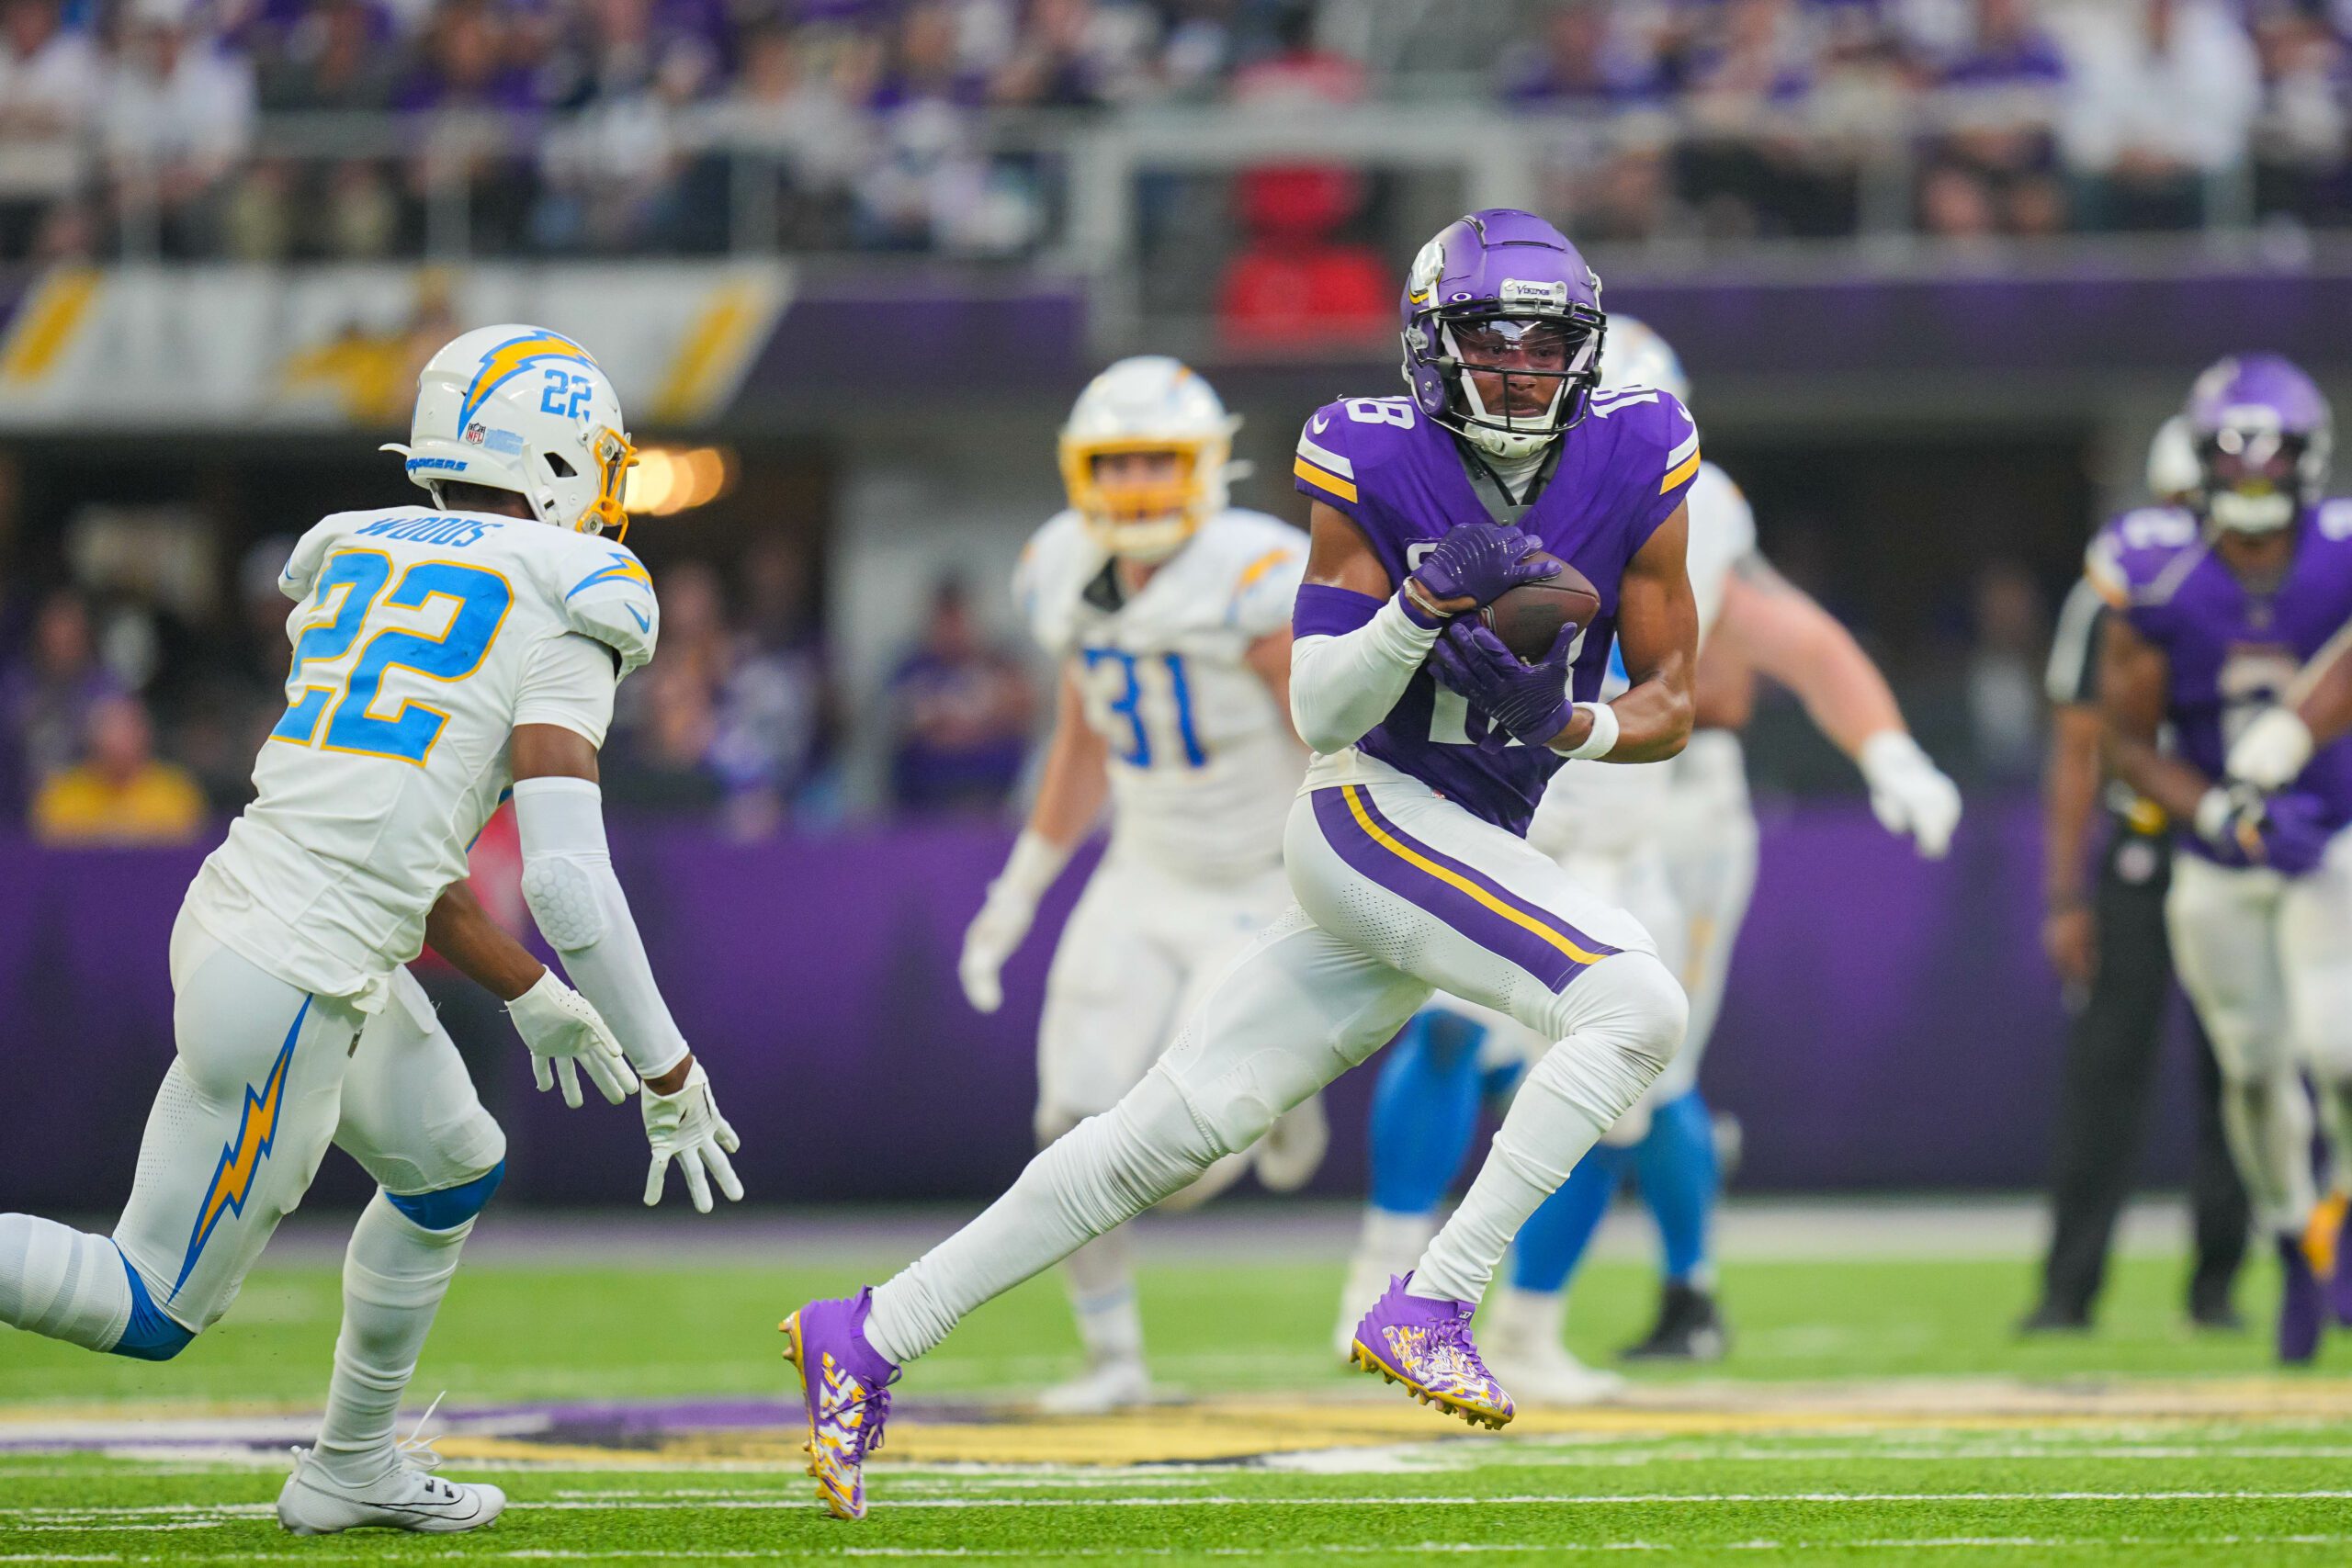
268 129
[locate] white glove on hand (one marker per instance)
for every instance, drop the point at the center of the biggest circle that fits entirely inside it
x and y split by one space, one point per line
996 932
686 1127
1909 793
2271 751
566 1032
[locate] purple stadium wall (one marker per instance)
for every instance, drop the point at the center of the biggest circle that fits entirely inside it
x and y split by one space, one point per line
1891 1023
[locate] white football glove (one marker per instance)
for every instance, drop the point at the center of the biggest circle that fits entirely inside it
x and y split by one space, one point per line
686 1127
2271 749
1909 793
996 932
566 1032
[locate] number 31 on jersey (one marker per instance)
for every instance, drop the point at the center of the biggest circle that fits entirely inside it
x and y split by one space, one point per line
352 587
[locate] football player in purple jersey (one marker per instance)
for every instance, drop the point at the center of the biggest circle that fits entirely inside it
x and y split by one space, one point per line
1404 849
2218 609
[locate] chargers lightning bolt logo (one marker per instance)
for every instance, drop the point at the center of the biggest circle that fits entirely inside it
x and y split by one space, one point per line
232 1180
510 359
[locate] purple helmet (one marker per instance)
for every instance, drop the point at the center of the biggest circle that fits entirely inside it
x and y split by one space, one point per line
2264 438
1504 293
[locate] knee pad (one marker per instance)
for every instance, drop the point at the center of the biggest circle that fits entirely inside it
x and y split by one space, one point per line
452 1206
1631 1001
149 1336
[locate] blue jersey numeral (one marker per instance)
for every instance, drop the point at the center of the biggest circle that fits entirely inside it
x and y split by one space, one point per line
1123 697
482 597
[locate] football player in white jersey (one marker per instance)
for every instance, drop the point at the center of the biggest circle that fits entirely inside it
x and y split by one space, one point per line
1674 843
445 658
1167 612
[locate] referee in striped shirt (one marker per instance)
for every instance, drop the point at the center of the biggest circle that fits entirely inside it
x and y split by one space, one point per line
2108 943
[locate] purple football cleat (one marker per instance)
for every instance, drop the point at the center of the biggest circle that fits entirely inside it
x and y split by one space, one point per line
2302 1304
844 1384
1426 1346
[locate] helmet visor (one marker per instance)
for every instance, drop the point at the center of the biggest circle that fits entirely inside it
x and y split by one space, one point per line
1516 372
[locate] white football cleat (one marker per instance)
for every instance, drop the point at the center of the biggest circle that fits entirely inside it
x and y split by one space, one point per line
1291 1151
403 1498
1119 1385
1390 1244
1524 1348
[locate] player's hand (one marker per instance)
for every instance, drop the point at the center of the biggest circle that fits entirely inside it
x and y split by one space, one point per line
565 1033
2070 936
1475 564
1909 793
686 1127
2288 833
1528 703
2271 749
994 935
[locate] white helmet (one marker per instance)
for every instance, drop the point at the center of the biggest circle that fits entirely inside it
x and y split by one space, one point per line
525 410
1635 356
2174 472
1148 403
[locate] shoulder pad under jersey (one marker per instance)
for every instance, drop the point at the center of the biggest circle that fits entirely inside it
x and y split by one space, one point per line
1344 441
2140 557
1655 452
301 570
1056 565
1719 511
607 594
1263 560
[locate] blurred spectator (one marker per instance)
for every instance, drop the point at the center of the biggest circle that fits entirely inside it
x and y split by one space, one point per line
2299 134
773 710
122 794
49 90
662 763
1994 171
961 709
2004 687
1587 59
45 699
789 106
178 110
931 185
2162 93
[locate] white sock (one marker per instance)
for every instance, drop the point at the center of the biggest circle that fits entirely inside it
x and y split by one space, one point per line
2267 1121
1394 1240
1087 1183
1101 1281
1618 1023
61 1283
394 1276
1535 1319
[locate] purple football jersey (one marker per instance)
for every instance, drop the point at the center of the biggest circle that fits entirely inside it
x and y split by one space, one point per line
1621 473
2233 651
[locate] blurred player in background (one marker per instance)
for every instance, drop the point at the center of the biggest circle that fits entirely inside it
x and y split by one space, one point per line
1675 843
2110 948
445 658
1405 852
1168 611
2217 609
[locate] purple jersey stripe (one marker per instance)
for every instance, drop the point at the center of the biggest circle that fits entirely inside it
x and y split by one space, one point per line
1465 899
1323 611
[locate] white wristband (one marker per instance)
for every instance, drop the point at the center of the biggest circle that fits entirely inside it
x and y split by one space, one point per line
1603 738
1031 868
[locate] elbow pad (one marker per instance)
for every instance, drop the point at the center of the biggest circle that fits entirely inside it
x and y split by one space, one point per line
569 883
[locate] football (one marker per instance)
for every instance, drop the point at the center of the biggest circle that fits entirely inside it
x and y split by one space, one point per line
1528 617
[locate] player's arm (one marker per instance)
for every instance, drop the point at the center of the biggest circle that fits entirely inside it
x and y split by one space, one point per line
2069 782
569 883
1658 632
1788 636
563 1030
2134 675
1359 639
1269 659
1074 784
2278 745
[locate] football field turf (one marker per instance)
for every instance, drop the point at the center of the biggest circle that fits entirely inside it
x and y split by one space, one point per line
1873 1409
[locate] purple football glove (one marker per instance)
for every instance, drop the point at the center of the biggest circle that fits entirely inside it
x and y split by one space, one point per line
2288 833
2294 834
1528 703
1479 561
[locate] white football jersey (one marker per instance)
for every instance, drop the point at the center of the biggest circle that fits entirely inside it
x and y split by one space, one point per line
1203 765
421 640
1606 807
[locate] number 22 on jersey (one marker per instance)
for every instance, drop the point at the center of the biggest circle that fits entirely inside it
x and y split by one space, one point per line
354 583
